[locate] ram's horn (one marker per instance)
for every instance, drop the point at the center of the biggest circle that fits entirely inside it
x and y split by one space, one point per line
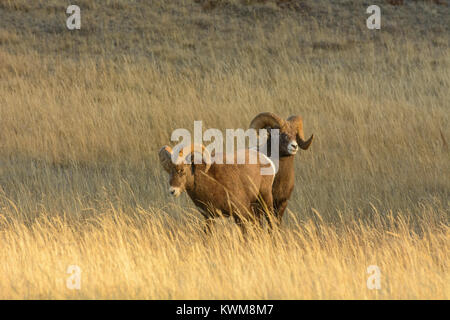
267 119
298 122
200 148
305 144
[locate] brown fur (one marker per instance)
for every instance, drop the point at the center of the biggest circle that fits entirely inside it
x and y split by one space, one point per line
290 130
225 189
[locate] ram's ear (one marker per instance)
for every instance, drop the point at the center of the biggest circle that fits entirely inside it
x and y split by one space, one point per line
165 157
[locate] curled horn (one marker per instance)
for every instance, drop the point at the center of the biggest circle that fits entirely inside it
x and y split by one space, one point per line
200 148
298 122
267 119
165 157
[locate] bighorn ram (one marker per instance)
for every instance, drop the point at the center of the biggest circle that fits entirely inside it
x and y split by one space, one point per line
291 137
221 189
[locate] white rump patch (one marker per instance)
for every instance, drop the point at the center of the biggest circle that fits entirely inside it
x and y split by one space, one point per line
265 160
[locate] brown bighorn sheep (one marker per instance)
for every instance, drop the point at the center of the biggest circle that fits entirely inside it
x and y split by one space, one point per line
235 190
291 137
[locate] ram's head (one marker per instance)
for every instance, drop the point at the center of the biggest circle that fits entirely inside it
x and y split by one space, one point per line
181 166
291 136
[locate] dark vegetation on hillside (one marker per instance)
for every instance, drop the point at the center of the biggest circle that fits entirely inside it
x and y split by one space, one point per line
183 31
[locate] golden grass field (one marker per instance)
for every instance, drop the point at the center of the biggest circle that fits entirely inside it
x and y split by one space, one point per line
84 113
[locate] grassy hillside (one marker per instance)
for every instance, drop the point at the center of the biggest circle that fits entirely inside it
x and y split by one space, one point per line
83 114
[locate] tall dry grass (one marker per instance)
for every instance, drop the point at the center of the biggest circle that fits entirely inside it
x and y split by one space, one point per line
82 116
150 254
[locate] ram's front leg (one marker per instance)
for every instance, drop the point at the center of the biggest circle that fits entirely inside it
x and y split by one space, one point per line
241 224
209 221
279 209
266 206
261 216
